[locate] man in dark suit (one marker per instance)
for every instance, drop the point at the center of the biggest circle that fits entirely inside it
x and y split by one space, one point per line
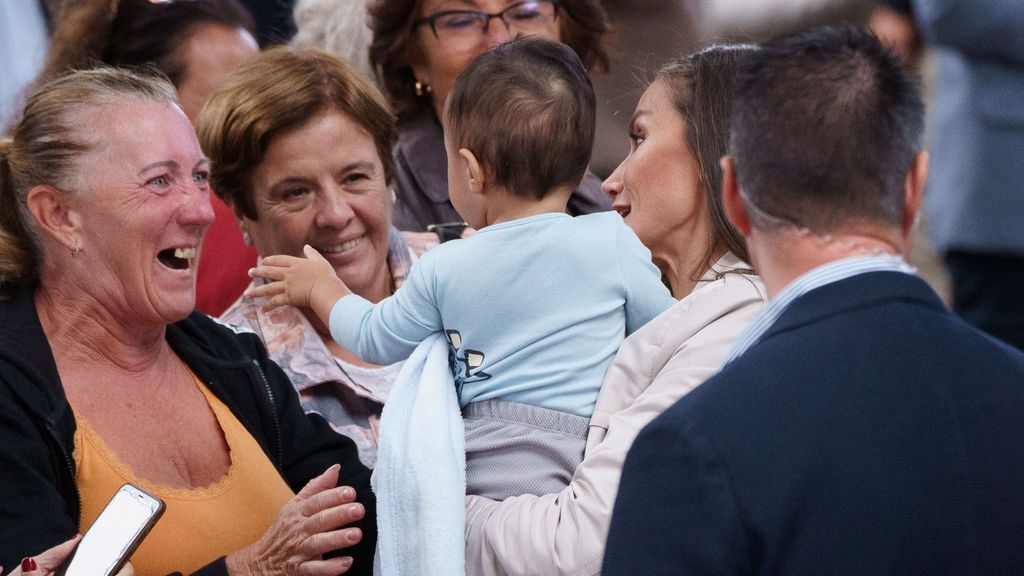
860 428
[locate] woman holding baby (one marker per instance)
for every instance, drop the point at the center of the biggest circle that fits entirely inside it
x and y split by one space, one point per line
668 191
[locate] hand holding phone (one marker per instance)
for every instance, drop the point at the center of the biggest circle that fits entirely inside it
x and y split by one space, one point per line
116 533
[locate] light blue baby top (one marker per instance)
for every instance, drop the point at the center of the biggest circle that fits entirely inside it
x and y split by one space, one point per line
534 309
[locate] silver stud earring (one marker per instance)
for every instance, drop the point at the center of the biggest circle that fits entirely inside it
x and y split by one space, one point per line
76 249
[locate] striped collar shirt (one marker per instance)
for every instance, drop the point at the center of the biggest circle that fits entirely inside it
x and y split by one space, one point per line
811 280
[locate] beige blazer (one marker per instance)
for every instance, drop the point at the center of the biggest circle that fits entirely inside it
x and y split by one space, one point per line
564 533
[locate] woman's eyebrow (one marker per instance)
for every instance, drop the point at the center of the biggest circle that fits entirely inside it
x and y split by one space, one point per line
640 113
287 181
457 4
170 164
357 165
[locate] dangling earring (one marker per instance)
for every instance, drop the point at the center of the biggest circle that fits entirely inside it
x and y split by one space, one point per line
76 249
422 89
246 238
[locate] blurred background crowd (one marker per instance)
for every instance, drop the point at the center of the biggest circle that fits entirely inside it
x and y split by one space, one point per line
646 33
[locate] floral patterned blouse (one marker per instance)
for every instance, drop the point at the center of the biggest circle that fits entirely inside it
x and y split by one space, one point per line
350 397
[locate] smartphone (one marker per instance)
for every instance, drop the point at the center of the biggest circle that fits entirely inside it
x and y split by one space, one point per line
112 539
448 230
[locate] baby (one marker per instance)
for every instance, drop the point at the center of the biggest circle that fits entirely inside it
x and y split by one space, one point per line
536 303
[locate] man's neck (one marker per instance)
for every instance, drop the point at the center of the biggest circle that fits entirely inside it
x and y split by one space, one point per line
781 256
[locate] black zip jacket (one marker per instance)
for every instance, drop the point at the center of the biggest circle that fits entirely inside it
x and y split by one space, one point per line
39 501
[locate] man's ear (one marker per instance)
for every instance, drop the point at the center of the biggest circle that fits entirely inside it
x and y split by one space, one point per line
735 210
476 175
913 190
56 218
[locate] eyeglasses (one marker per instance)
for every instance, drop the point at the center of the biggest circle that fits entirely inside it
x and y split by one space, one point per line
525 17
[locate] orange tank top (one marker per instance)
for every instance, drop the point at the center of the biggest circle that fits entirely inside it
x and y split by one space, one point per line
199 525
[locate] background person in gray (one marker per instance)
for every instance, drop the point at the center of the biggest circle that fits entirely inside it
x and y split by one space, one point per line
975 197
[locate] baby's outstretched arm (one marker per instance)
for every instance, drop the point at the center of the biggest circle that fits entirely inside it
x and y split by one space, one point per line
302 282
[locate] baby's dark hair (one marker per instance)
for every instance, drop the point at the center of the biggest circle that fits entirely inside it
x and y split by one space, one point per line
526 110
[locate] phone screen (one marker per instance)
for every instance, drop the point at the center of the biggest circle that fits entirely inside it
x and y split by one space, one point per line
123 522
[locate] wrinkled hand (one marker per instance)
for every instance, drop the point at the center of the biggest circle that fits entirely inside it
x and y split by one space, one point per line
48 562
303 282
307 527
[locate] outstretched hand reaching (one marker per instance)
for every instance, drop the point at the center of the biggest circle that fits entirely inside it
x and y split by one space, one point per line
302 282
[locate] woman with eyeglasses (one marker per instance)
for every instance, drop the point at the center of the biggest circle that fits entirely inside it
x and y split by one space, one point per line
419 47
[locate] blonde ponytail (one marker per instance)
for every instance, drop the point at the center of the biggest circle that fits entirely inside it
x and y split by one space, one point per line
17 253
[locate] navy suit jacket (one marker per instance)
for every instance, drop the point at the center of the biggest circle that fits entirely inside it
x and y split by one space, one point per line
869 432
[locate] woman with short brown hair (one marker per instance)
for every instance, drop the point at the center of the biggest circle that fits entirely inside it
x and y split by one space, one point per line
300 146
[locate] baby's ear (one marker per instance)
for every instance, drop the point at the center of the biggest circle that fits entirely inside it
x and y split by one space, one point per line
476 173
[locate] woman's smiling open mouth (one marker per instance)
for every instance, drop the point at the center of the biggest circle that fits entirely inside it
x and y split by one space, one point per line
342 247
178 258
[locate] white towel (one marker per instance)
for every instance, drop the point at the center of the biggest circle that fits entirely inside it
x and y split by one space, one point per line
420 478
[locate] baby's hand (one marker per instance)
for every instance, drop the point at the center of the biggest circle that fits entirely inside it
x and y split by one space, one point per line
303 282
